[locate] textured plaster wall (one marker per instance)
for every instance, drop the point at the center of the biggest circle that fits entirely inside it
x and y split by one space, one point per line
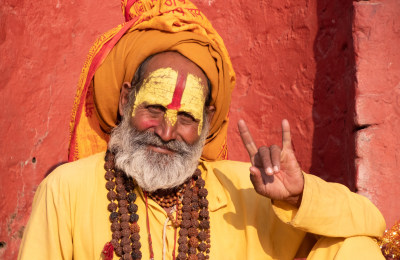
43 45
294 59
377 42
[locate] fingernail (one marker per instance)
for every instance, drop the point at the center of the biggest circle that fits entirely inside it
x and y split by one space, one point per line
276 169
251 172
269 170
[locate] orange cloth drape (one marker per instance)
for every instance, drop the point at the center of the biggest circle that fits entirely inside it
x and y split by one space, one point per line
152 26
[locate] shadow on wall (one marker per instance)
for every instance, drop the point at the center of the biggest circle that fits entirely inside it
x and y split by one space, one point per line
333 151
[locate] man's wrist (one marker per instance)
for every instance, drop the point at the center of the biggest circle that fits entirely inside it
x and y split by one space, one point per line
295 201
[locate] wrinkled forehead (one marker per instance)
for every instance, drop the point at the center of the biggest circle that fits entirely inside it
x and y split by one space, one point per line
178 63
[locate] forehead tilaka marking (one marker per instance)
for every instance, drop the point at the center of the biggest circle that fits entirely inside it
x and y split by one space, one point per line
177 92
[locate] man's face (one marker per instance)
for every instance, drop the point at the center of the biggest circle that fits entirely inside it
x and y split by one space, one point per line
170 102
162 134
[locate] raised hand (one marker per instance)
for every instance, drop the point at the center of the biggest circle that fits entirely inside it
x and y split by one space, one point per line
275 172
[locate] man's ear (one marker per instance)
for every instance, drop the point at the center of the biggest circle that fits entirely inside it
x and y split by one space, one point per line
124 97
210 110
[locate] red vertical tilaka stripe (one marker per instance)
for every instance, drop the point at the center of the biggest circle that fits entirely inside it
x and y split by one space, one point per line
178 92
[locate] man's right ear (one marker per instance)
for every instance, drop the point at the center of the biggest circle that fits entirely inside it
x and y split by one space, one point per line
124 97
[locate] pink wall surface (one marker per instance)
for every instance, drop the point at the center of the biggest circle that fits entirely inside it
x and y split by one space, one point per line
43 47
377 47
293 59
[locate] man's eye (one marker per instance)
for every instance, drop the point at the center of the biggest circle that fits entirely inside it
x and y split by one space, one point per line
156 109
186 117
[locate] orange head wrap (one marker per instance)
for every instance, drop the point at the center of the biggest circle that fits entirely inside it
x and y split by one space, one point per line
151 26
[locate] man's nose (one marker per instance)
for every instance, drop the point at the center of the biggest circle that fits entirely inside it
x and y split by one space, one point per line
166 130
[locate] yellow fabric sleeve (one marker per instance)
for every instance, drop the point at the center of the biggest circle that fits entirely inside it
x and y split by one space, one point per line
354 248
49 226
331 209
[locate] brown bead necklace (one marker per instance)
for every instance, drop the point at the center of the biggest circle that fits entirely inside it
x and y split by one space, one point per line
192 215
169 198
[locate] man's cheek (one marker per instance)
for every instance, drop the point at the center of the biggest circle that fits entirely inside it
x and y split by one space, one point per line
144 124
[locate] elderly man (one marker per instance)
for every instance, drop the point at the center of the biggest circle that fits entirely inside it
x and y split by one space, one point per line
162 189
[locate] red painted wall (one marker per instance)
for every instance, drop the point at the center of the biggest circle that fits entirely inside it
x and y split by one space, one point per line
377 41
43 47
294 59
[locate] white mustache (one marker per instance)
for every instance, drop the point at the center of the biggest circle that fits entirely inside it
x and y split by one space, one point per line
148 138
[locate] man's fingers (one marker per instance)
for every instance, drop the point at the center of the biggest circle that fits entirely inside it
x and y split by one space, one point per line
247 139
286 138
264 155
275 157
256 178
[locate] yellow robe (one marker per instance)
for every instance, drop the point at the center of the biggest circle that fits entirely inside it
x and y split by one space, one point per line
70 220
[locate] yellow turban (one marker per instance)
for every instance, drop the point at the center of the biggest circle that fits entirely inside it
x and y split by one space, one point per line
151 26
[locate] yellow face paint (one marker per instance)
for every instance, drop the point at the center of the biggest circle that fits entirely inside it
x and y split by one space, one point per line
176 92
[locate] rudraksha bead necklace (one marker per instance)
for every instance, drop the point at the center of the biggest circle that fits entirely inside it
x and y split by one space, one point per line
169 198
192 215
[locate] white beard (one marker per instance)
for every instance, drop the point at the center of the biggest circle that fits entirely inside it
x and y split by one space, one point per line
151 170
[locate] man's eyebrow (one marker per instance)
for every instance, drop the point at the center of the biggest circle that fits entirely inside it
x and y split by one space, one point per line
187 113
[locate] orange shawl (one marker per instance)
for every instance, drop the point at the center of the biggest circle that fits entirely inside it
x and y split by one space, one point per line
151 26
